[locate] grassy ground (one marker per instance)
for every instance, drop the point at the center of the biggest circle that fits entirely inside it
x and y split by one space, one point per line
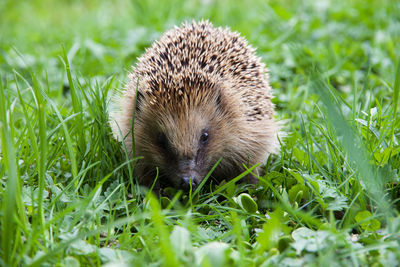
330 197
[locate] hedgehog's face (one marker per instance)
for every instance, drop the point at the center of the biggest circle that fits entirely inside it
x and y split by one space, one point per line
184 161
184 143
187 145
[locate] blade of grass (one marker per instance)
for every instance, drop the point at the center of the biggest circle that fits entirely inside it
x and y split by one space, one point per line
42 156
11 192
166 248
67 136
396 92
205 179
76 105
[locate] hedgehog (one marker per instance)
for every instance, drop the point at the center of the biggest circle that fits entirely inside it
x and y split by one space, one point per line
198 95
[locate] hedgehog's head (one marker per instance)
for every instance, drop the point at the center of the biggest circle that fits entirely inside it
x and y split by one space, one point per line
183 132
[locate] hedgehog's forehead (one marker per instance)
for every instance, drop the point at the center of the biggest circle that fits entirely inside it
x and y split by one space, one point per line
180 94
186 108
181 118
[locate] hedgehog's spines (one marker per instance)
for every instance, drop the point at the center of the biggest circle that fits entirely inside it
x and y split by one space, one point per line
197 76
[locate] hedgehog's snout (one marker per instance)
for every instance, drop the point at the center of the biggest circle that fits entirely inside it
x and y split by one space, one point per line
188 176
186 181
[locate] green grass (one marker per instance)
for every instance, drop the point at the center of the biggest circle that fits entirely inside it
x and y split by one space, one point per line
330 197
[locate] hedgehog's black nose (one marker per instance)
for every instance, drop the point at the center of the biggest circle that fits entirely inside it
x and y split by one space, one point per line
185 183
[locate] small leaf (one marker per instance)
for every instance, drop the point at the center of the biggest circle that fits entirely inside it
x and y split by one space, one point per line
180 240
215 253
115 257
247 203
71 262
169 191
165 202
298 192
82 247
367 222
309 240
284 242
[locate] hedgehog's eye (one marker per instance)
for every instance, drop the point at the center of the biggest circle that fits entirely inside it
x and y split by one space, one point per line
204 137
162 140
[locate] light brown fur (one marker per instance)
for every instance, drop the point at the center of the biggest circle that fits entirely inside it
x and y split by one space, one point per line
197 78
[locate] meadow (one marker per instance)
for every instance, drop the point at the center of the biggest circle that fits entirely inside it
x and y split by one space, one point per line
330 197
